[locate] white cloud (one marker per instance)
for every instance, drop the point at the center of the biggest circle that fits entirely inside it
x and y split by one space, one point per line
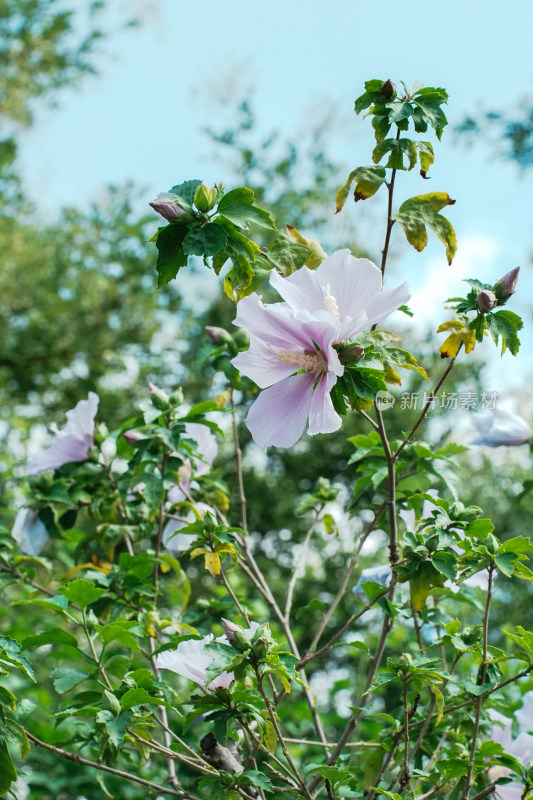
476 258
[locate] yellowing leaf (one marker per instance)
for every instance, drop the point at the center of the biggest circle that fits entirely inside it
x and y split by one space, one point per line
460 334
102 567
212 564
318 254
270 737
421 211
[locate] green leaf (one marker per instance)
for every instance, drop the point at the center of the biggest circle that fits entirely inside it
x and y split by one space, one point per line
9 654
66 678
7 698
518 544
82 592
238 206
367 382
57 603
505 324
505 564
18 736
205 240
428 102
115 633
115 726
136 697
171 256
398 148
367 182
422 210
184 193
316 604
52 636
8 773
287 256
445 563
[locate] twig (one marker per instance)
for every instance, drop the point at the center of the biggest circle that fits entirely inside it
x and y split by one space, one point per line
299 561
238 462
424 411
390 221
273 719
58 751
344 583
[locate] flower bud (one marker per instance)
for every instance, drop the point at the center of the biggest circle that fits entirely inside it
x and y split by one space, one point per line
350 353
506 286
486 300
158 397
176 398
167 207
235 635
203 198
388 89
132 436
218 335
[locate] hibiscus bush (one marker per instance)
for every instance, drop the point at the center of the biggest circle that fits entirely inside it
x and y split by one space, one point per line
165 639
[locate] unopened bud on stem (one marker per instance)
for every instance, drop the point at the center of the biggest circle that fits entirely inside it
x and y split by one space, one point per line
506 286
486 300
388 89
167 207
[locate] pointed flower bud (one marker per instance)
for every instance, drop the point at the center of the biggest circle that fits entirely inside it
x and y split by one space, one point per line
218 335
506 286
236 636
165 205
203 198
158 397
132 436
486 300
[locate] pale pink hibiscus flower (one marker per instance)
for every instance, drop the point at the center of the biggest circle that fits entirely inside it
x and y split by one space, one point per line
207 448
292 354
73 442
191 660
521 747
501 428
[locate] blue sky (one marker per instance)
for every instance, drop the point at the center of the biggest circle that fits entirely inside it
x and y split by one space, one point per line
162 82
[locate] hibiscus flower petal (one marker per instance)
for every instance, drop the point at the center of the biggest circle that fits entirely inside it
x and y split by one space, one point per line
80 419
384 303
353 282
301 290
279 414
64 449
322 416
261 363
274 323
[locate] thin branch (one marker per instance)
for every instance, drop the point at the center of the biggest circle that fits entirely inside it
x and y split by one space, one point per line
299 561
427 405
273 719
119 773
347 625
233 596
238 463
390 221
343 586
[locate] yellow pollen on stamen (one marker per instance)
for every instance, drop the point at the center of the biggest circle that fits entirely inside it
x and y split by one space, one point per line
305 361
331 304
